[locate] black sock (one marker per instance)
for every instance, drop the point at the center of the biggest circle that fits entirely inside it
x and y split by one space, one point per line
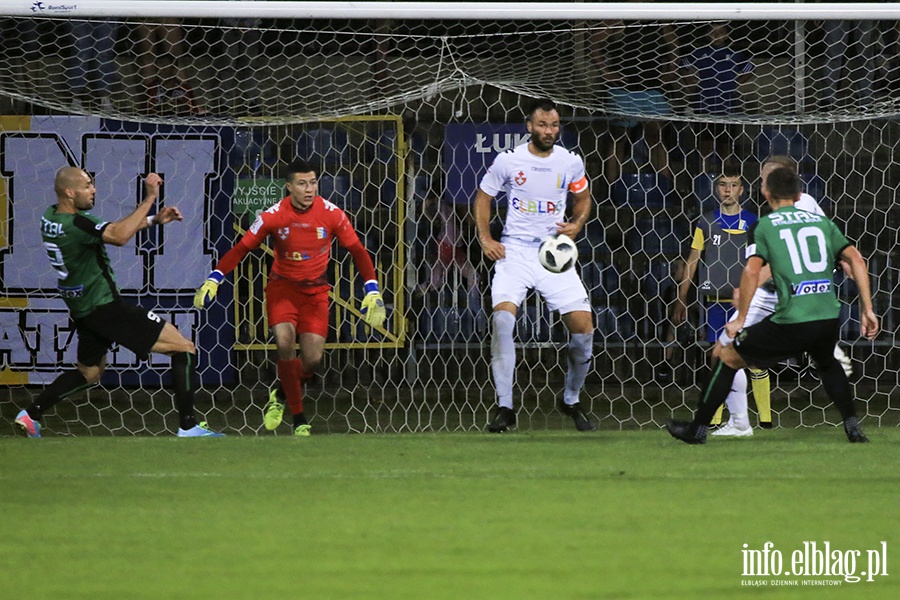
836 385
714 393
279 393
851 423
66 384
183 375
299 419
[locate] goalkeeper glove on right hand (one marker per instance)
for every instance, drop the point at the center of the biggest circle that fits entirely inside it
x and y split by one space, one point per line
373 305
208 290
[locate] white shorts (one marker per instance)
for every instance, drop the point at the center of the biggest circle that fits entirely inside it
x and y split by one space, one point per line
761 306
521 271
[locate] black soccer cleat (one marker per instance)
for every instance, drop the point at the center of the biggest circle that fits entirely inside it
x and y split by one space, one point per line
765 424
582 423
503 420
855 435
686 432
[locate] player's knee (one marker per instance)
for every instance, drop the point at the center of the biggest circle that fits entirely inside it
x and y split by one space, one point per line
91 374
182 344
504 322
285 351
730 357
311 365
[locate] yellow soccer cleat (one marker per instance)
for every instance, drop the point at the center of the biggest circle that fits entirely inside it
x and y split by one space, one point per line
273 413
303 430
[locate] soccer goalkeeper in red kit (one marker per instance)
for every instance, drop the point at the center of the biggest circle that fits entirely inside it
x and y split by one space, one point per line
302 227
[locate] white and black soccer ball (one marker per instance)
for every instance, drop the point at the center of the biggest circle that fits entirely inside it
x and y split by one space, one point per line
558 253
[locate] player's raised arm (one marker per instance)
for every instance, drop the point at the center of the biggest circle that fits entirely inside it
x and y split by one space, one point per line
492 249
118 233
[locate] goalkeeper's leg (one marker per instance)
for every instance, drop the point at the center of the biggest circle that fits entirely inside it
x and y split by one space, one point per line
290 381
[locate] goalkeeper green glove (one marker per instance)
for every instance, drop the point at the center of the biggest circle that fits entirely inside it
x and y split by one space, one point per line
208 290
373 305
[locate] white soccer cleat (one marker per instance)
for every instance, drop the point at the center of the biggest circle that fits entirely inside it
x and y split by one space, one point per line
842 358
199 430
729 430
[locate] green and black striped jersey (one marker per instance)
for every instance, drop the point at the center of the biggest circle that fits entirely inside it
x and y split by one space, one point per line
74 244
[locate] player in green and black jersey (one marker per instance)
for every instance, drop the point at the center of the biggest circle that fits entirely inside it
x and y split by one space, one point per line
802 249
75 243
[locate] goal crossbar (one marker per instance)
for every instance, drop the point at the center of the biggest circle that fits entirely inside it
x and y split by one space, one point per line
553 11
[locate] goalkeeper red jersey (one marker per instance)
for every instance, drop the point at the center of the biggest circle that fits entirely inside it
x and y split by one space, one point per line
301 241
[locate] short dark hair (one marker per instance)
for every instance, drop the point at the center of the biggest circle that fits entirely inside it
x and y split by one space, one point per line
298 166
730 171
783 184
544 104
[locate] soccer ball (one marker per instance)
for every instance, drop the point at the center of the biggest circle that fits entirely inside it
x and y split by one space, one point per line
558 253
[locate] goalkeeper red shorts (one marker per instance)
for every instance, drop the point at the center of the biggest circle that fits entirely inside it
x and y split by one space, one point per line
306 310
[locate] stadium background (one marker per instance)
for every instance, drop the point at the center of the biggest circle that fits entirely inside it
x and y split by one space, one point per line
416 137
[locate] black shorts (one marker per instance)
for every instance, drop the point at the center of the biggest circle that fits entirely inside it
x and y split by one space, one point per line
130 326
765 344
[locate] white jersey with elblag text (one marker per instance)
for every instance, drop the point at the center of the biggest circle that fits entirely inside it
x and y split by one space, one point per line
536 189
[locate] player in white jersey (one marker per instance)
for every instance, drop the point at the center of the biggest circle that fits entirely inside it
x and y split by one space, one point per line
761 306
537 178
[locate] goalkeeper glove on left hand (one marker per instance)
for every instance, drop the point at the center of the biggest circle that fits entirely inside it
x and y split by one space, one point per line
373 305
208 290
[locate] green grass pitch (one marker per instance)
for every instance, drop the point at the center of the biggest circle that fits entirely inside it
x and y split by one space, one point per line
542 515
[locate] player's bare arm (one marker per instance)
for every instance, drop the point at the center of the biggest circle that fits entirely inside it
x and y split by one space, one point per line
493 250
120 232
749 283
679 311
581 210
165 216
868 326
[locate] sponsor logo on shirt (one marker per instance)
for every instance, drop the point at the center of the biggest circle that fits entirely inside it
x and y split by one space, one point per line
540 207
321 233
76 291
805 288
296 256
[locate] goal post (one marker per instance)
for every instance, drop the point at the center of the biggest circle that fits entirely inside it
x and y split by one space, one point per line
402 106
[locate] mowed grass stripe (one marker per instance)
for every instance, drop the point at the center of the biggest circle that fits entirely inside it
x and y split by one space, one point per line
521 515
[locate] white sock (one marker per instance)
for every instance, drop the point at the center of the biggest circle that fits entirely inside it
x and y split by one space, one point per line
581 346
737 401
503 356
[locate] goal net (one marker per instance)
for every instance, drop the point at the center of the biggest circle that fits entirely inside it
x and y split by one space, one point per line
402 106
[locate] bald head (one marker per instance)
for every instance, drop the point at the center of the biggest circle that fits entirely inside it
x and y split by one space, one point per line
67 178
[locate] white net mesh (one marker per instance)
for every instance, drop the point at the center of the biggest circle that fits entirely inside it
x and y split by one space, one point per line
402 118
